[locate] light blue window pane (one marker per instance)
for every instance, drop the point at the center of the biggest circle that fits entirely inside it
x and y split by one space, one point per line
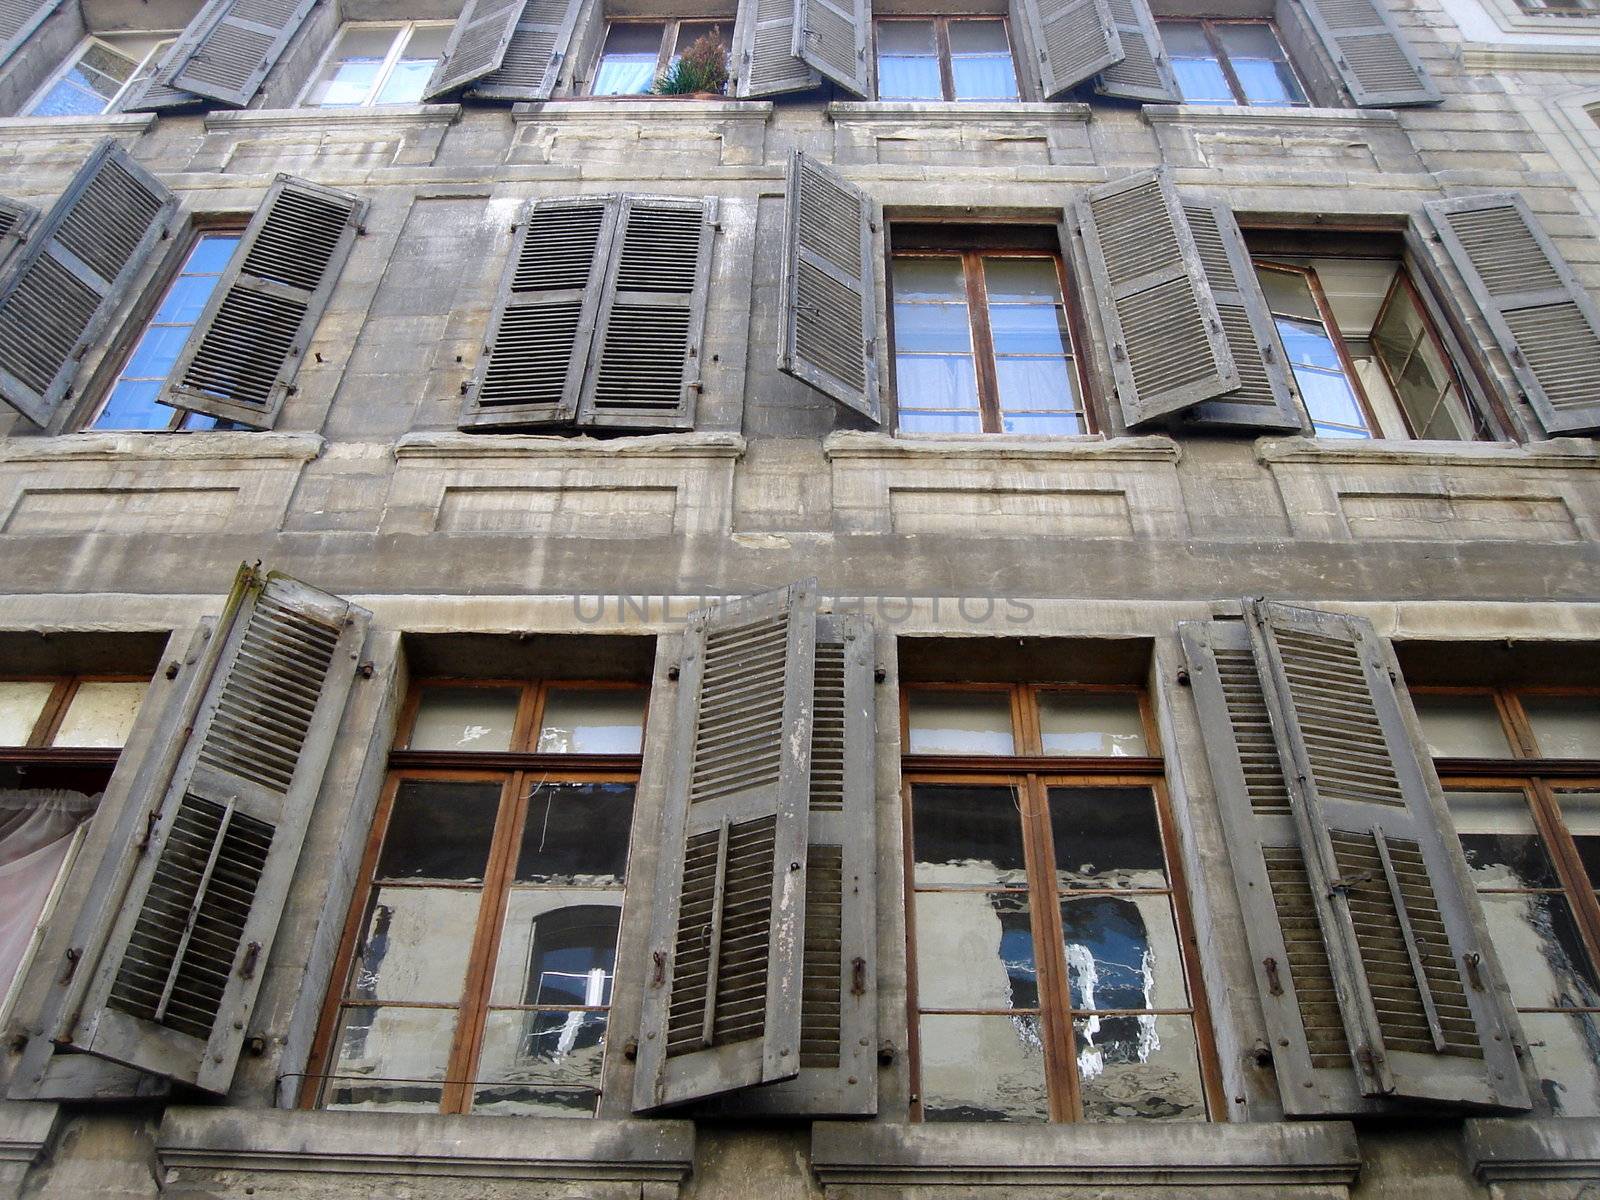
406 81
1035 384
1027 329
932 327
1308 345
206 421
1055 424
132 405
211 256
1267 84
938 422
350 83
1201 81
907 77
187 298
983 77
69 99
1021 280
625 75
936 382
158 349
1329 398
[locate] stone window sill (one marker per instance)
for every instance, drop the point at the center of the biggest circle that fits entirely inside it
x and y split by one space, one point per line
1530 1149
105 125
913 448
341 118
652 108
949 111
480 447
1558 453
207 446
1290 118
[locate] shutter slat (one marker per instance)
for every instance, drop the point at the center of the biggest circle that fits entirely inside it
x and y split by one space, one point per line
477 45
1073 39
763 50
227 50
16 219
530 64
1143 72
18 20
831 35
1372 56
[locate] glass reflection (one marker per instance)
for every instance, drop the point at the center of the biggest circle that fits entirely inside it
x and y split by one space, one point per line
557 949
1461 726
1135 1068
982 1068
466 718
21 702
1566 1057
415 944
1106 837
439 830
1122 953
966 835
1565 726
391 1058
1500 840
540 1063
1580 812
1073 723
975 950
960 723
576 833
1536 936
592 721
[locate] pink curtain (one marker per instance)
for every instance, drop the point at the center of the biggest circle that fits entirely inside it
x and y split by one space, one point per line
36 828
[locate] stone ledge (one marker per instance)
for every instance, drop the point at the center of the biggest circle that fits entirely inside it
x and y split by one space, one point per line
338 118
1526 1148
1094 448
951 111
526 1148
109 124
655 110
1311 1152
219 446
1481 56
480 447
1559 453
1228 114
25 1128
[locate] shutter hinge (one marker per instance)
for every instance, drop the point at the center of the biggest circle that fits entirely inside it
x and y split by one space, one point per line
247 969
1183 677
1473 961
879 675
630 1049
149 828
858 977
173 668
74 954
1274 984
659 975
885 1053
365 669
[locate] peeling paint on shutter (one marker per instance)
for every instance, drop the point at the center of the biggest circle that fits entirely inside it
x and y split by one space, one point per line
1397 913
832 36
722 1006
531 64
188 941
18 20
477 45
241 360
645 365
1542 317
1165 336
828 294
1144 71
763 50
1377 64
1074 40
70 275
16 219
227 50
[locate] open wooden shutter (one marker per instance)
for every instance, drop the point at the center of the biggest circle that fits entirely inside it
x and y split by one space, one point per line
68 278
828 297
763 50
727 933
477 44
1168 349
1377 64
531 63
1384 870
1074 40
1143 72
240 362
16 219
1265 400
227 50
151 95
537 346
186 947
18 20
1542 317
832 36
645 365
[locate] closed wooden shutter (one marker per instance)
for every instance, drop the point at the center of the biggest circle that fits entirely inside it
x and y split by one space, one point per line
18 19
477 44
645 365
763 50
828 297
531 63
69 277
241 360
1265 400
832 36
1385 873
1165 336
1378 66
1073 39
16 219
1144 71
727 935
187 943
1543 319
537 346
227 50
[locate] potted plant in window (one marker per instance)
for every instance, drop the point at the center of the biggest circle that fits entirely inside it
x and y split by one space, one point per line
700 72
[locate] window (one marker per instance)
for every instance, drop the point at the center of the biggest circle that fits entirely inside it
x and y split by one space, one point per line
1528 812
1048 922
1560 8
100 73
378 64
637 53
1231 62
478 961
982 337
945 58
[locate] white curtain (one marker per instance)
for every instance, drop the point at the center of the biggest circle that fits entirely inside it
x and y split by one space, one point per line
36 828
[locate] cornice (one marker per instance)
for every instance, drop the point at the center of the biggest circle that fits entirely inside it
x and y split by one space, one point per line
482 447
1565 454
981 448
207 446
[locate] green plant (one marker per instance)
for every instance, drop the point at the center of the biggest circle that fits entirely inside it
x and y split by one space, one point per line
703 67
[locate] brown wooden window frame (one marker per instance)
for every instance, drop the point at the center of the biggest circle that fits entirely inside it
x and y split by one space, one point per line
1225 64
941 42
1033 774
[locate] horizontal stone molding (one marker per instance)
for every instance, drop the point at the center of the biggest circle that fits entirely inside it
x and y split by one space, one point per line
478 447
655 109
1528 1150
945 112
25 1131
851 445
221 446
1283 118
1561 453
377 118
129 125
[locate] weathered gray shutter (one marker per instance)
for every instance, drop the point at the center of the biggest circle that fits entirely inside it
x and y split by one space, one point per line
477 44
537 346
151 95
18 19
1387 882
531 63
1265 400
68 278
839 1001
1542 317
1377 64
1143 72
16 218
828 297
727 933
241 359
763 50
1074 40
832 36
187 946
1168 350
227 50
644 370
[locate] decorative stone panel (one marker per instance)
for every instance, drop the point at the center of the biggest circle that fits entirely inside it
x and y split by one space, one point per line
263 141
1337 142
41 146
960 134
673 136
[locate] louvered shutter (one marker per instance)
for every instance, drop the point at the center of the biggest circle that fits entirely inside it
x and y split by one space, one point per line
727 935
16 219
763 50
832 36
1541 316
151 95
227 50
477 44
531 64
1168 350
644 370
1265 400
1143 72
1074 40
18 19
68 278
1385 873
1377 64
188 945
542 325
828 296
241 360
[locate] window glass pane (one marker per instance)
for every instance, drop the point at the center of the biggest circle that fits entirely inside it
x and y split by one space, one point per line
628 63
557 947
960 723
1122 952
1580 812
1461 726
576 833
690 32
1026 327
415 945
100 713
1422 382
937 393
1259 64
593 721
908 61
439 830
1138 1068
1565 726
21 702
1500 840
975 950
351 72
965 835
1106 837
89 86
1566 1056
409 77
980 61
544 1064
1077 723
1536 936
390 1058
1200 76
982 1069
466 718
